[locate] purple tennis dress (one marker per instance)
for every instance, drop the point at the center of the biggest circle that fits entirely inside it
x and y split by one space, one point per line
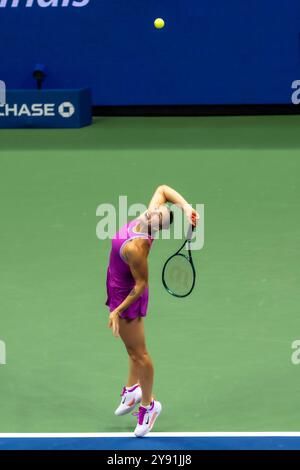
119 281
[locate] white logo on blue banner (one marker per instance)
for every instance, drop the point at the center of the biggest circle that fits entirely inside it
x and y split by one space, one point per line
66 110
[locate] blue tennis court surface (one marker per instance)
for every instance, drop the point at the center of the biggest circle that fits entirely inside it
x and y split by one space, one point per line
156 441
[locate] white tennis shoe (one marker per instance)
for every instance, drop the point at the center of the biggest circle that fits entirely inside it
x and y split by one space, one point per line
146 418
131 396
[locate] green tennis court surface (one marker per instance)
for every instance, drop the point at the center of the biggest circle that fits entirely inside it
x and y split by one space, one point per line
223 355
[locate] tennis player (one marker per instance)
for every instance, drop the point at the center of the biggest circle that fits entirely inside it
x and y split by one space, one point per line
127 299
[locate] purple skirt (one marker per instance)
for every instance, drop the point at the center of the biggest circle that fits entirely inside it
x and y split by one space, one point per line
115 297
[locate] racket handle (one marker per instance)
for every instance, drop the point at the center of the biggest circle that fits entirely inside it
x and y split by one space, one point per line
190 232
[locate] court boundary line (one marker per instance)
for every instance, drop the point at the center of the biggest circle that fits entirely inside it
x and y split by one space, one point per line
153 434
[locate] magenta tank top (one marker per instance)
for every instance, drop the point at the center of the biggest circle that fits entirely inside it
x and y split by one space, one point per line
119 274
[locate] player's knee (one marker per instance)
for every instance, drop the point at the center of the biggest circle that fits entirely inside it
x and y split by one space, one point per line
138 356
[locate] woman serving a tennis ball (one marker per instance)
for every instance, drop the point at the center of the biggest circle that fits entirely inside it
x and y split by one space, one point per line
127 299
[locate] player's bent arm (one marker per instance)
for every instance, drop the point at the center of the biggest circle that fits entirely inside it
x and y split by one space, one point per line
157 199
165 194
136 256
174 197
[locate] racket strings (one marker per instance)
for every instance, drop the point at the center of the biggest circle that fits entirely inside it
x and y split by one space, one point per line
179 275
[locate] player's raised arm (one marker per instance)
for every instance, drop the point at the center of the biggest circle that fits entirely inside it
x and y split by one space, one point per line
165 194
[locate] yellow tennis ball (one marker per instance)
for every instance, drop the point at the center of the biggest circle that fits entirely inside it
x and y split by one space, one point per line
159 23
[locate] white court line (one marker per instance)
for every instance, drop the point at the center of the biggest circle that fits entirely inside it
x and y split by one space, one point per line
153 434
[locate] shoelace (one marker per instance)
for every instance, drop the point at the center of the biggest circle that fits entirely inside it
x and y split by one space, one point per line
141 414
123 392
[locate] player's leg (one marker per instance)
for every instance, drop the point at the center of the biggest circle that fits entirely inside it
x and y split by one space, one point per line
132 393
133 336
141 367
133 377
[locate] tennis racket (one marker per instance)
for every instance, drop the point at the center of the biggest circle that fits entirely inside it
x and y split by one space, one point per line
179 275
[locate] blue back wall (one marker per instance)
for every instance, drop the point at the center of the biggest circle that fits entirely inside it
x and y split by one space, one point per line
210 52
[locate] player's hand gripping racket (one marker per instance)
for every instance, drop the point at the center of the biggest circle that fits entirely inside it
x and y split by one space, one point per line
179 275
